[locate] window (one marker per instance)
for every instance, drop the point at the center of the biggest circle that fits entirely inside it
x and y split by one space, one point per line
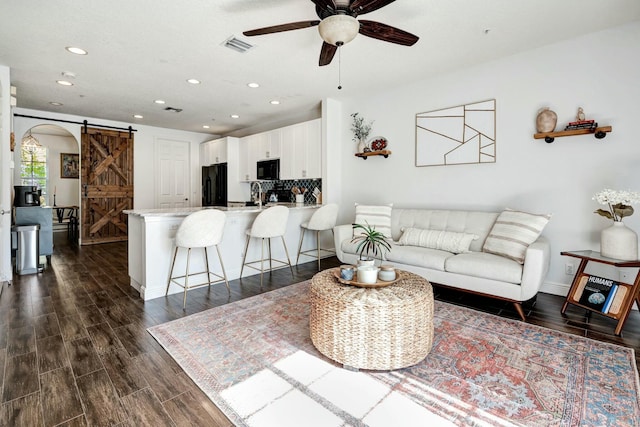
33 170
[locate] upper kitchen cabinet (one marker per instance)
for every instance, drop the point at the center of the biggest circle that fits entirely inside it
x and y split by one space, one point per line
301 147
268 145
214 152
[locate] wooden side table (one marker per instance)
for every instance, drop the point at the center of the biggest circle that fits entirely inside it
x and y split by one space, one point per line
632 292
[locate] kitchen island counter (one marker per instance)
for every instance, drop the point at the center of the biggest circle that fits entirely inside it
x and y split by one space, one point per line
151 246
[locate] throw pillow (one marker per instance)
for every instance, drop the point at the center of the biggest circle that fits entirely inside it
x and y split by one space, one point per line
513 232
449 241
378 217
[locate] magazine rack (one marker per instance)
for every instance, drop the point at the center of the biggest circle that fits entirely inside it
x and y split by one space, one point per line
631 294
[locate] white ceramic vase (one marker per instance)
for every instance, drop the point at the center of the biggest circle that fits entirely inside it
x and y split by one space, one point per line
619 242
361 146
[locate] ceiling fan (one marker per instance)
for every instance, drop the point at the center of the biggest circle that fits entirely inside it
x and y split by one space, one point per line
338 25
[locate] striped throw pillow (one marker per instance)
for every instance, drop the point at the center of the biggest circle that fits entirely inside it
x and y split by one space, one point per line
513 232
378 217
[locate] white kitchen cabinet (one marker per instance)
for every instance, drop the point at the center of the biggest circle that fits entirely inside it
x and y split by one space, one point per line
248 153
214 152
268 145
301 151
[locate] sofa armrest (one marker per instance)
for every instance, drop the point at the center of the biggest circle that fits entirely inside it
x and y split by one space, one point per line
340 234
535 268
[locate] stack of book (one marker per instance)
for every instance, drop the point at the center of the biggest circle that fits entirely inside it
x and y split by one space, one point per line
600 294
582 124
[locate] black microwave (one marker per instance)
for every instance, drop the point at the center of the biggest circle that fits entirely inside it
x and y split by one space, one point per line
268 170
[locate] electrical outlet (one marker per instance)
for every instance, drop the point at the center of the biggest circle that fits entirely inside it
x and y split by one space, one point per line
569 269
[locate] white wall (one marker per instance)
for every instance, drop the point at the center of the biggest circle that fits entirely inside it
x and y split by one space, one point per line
598 72
143 150
5 175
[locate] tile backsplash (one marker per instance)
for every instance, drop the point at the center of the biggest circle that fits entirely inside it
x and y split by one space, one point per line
304 184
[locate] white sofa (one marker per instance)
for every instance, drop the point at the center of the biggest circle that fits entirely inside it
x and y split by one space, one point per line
474 271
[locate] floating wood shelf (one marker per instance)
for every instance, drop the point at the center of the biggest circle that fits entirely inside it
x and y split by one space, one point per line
384 153
599 133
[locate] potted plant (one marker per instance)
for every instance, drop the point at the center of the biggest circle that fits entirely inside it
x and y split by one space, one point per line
360 131
371 243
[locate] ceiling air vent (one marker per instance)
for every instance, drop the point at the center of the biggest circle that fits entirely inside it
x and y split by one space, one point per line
237 44
173 110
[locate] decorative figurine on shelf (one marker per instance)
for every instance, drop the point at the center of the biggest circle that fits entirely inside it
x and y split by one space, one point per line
546 120
580 116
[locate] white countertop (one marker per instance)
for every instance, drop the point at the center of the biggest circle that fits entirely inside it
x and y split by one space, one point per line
177 212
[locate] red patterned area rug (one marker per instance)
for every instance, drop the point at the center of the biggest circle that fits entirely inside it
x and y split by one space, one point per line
255 360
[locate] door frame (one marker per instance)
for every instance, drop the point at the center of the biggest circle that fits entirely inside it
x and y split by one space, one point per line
6 274
21 126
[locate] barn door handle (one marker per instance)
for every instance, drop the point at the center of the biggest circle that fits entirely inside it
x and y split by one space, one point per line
86 190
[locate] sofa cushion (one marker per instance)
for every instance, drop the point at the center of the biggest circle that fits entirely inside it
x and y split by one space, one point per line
378 217
513 232
449 241
418 256
485 265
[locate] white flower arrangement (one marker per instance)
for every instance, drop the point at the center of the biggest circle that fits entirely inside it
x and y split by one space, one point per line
359 128
618 203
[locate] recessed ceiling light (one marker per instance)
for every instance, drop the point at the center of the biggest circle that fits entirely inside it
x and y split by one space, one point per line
235 116
274 102
206 126
159 101
57 104
193 81
64 82
76 50
253 85
138 116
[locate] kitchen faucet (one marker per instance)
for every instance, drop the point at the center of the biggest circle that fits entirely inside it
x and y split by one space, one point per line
259 185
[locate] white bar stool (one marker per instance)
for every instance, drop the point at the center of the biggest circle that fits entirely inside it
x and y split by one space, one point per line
201 229
271 222
322 219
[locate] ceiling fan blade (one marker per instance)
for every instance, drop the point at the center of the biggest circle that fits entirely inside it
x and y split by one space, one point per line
283 27
325 4
360 7
387 33
326 53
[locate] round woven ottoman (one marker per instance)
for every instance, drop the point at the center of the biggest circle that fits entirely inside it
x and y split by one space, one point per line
372 328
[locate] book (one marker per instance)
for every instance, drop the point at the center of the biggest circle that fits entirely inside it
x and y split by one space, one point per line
618 299
596 291
607 303
580 122
584 126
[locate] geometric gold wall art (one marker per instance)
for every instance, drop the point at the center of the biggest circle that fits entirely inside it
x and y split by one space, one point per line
457 135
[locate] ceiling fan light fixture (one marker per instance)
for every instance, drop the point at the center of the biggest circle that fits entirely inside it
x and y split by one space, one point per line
338 29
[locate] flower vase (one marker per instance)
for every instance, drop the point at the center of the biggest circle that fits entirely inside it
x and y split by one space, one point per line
361 146
619 242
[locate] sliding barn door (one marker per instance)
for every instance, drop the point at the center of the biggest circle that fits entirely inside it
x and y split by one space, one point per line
107 185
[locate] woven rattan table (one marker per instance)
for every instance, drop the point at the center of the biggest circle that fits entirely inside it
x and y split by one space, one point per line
380 329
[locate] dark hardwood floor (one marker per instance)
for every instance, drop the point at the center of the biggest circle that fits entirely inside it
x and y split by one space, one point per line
74 349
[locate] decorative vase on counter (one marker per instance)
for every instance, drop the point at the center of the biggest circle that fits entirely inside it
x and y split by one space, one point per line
619 242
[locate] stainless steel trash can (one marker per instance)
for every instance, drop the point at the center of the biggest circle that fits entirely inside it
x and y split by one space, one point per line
28 248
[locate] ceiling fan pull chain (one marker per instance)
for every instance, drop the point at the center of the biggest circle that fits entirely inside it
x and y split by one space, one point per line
339 44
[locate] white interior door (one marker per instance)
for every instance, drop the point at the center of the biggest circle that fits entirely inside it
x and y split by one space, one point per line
5 176
173 184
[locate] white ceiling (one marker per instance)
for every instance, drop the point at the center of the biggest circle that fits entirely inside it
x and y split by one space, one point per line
142 50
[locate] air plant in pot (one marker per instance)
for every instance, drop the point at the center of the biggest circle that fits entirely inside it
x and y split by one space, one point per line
371 243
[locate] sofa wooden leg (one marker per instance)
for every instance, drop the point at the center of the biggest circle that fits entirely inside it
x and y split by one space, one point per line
520 311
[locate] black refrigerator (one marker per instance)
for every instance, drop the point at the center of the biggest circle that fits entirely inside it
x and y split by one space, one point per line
214 185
